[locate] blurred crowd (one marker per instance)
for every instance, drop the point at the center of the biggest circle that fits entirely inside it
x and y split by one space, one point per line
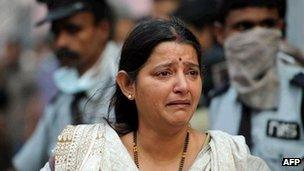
28 62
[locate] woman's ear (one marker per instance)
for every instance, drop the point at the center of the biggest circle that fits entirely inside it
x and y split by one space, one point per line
125 84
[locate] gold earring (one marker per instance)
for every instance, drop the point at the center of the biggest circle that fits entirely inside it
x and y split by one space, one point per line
130 97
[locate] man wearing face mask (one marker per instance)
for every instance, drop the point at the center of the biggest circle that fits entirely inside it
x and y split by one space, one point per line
265 100
81 30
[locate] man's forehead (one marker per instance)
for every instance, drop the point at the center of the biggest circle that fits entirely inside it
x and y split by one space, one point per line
77 18
253 14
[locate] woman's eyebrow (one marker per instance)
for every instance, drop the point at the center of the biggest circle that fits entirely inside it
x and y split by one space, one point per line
166 64
174 63
191 64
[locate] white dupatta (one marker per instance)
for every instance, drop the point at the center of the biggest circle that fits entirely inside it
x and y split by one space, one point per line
98 147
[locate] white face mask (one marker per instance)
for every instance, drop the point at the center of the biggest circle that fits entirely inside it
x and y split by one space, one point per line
251 60
99 77
68 81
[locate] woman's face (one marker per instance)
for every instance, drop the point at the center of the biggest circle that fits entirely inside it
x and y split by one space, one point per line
168 87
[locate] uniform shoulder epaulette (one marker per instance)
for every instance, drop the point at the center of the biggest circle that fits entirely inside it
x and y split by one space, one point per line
297 57
218 91
290 59
298 80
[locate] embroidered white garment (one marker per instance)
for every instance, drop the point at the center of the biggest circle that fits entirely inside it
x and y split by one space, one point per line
98 147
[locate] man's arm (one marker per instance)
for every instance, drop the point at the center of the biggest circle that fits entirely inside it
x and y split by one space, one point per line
33 154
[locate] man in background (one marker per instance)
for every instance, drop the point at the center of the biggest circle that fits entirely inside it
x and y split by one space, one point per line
81 30
265 100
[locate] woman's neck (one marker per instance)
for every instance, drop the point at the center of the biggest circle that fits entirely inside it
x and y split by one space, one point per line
159 145
157 149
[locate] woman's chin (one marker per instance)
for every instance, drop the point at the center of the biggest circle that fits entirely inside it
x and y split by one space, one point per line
179 119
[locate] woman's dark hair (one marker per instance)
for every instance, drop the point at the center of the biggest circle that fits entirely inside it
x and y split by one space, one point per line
135 52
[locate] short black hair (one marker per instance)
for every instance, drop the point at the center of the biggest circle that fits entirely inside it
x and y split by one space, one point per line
197 13
226 6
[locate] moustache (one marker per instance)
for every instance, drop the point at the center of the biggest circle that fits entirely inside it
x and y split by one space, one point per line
66 54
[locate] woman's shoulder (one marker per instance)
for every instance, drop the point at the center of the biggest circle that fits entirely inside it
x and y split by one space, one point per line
74 131
232 150
71 132
231 145
77 143
224 138
91 147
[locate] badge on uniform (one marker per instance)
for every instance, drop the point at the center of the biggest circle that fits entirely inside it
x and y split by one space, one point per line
283 129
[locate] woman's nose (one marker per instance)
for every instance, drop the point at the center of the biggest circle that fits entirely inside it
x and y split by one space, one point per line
181 85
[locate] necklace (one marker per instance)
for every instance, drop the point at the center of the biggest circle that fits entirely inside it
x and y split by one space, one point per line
182 161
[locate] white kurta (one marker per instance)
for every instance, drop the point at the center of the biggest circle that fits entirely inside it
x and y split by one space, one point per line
98 147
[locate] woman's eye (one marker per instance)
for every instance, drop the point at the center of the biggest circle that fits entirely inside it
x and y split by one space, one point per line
193 73
164 74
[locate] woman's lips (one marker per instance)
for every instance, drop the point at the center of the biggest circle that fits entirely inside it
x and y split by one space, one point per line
179 103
